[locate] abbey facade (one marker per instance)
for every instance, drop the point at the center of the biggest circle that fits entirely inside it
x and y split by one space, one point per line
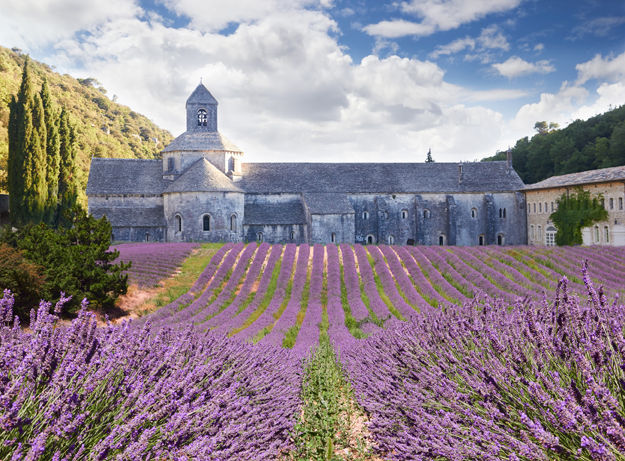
202 190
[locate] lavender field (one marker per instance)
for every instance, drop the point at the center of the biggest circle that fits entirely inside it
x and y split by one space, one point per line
415 353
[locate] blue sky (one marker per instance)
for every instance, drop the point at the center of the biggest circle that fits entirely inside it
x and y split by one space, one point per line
342 80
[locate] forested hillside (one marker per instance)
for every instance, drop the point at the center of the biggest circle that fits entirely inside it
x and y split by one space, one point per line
598 142
103 127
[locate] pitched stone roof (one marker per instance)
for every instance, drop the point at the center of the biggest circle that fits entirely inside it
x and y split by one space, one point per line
201 95
291 212
379 177
131 217
616 173
202 176
116 176
321 203
201 141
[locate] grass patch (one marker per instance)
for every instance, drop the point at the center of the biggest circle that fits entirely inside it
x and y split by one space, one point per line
378 283
174 287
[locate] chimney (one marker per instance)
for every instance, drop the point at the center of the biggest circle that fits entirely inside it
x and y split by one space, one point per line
509 160
460 173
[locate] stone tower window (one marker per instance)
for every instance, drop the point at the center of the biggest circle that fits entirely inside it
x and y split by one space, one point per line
333 237
206 223
441 239
474 213
391 240
178 222
259 237
233 223
404 214
292 235
202 118
365 215
500 239
426 213
370 239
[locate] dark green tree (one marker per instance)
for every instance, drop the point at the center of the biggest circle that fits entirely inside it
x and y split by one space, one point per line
429 158
53 156
575 211
68 184
35 187
617 145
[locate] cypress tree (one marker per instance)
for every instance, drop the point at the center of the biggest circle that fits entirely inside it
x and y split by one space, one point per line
35 187
20 124
53 156
68 187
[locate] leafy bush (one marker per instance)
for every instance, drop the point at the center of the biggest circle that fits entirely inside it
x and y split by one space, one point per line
574 212
76 261
23 278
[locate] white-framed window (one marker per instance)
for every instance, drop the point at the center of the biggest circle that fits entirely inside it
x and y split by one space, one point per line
540 232
202 117
550 236
365 215
206 223
597 236
178 223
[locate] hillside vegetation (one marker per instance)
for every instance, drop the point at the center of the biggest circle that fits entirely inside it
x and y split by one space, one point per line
104 128
598 142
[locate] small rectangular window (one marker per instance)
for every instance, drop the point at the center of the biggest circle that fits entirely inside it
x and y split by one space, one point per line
552 207
534 207
606 230
540 207
620 203
611 203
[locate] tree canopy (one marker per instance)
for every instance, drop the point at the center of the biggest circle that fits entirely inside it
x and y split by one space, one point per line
576 211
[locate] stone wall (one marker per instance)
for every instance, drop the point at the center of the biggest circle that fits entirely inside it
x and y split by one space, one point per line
191 207
276 233
324 226
138 234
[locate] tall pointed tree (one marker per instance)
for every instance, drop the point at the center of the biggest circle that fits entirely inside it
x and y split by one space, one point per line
20 123
35 187
68 184
53 156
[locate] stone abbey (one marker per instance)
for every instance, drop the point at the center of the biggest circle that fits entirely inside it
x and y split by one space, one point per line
202 190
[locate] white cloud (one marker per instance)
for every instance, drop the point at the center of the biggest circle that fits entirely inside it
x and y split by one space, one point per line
516 67
600 68
438 15
454 47
36 23
490 38
539 47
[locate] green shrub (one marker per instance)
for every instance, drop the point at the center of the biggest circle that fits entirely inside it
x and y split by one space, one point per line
23 278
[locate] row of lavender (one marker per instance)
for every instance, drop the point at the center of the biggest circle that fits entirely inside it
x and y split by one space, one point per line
152 262
120 392
531 380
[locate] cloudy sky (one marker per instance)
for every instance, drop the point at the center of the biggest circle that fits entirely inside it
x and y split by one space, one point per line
342 80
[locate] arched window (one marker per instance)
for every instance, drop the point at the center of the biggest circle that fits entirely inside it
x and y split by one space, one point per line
606 233
504 212
474 213
201 117
259 237
404 214
500 213
391 240
206 223
426 213
147 236
546 209
500 239
550 236
365 215
481 240
370 239
597 237
233 223
333 237
540 233
441 239
178 221
292 235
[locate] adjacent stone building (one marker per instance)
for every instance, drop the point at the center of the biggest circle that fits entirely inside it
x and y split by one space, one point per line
542 201
202 190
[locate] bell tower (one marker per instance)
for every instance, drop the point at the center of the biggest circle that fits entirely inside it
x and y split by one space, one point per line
201 110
